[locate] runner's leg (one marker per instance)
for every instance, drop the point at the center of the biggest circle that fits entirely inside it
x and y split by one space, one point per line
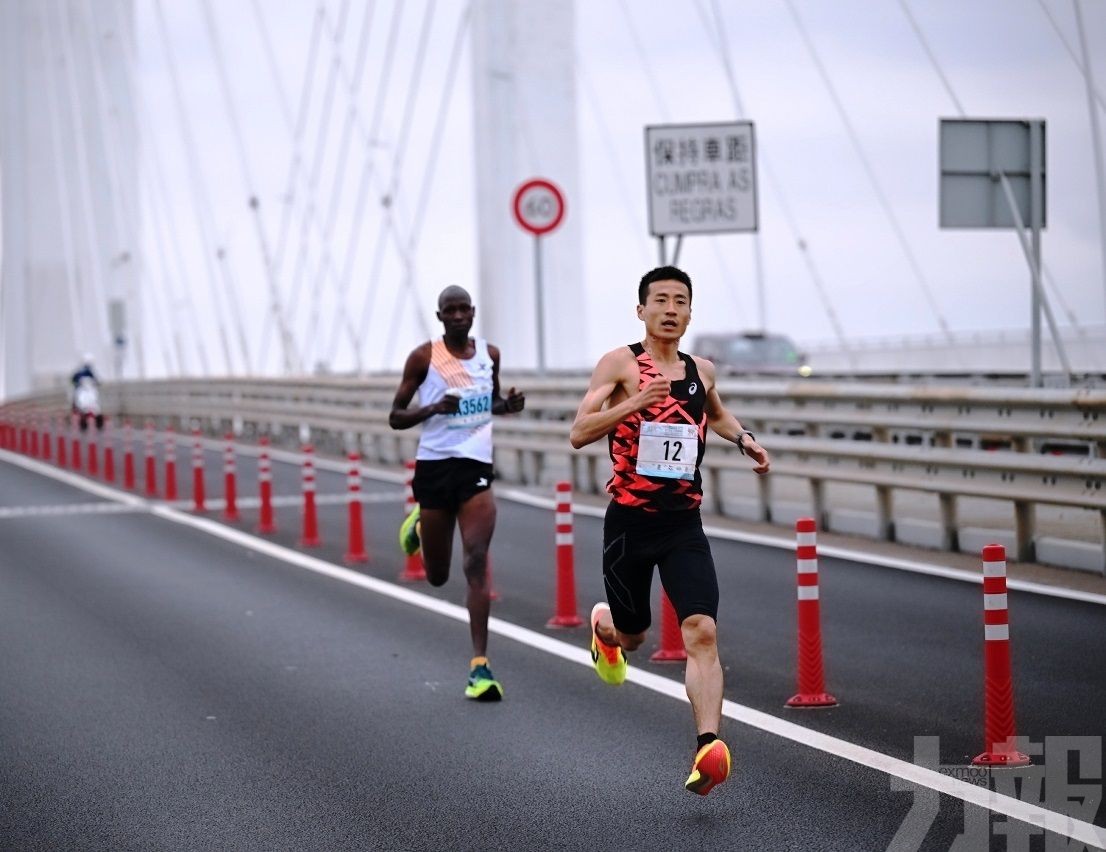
477 519
436 537
703 676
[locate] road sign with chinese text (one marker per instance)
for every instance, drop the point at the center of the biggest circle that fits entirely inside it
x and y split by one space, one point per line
701 178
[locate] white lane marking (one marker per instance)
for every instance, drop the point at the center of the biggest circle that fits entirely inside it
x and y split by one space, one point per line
526 499
1028 812
824 550
1007 806
67 509
73 479
294 500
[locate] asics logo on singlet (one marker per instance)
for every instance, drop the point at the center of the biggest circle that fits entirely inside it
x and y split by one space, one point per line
481 482
694 386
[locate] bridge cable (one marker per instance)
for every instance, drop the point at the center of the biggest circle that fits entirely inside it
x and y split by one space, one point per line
337 187
275 308
84 179
137 107
960 111
662 107
877 187
201 203
408 254
727 63
296 132
637 226
369 138
61 188
315 171
776 187
1071 51
125 217
407 118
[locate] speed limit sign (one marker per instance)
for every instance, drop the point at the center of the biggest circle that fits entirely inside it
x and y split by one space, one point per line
539 206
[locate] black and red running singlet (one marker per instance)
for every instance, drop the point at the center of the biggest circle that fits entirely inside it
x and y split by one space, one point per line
656 453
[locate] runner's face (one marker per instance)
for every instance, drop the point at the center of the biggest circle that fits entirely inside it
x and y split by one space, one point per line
667 310
456 315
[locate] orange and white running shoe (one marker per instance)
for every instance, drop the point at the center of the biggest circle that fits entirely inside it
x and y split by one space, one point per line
610 663
710 768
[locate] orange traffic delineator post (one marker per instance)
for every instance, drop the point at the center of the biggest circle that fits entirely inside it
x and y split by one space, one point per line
310 537
46 439
230 481
151 461
93 453
128 456
75 445
170 464
998 679
197 473
566 614
355 552
109 453
265 523
811 675
61 443
413 569
671 649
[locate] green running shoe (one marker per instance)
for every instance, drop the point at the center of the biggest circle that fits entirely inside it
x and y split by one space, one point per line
409 533
482 684
610 663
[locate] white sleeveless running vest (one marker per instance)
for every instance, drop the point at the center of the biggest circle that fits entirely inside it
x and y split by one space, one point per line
468 433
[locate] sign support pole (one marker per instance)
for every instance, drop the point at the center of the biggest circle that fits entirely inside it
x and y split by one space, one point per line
660 245
1035 198
539 306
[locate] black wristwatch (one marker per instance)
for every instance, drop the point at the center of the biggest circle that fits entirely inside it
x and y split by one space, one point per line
741 440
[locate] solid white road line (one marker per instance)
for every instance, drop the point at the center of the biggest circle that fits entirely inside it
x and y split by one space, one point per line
1028 812
66 509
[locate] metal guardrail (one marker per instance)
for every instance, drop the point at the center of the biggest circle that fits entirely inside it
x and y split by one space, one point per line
892 438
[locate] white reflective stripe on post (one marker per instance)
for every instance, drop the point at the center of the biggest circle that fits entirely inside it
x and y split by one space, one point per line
994 601
996 632
807 566
807 593
563 518
994 569
564 538
806 539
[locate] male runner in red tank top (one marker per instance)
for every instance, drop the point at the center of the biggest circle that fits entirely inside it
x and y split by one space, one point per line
653 403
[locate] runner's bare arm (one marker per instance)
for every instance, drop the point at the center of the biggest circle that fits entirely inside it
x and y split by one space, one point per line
515 400
617 368
724 424
414 374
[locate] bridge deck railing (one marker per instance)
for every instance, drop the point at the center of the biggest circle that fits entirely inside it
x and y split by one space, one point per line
1026 447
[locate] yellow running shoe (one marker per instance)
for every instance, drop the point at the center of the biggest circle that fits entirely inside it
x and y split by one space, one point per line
610 663
710 768
409 533
482 684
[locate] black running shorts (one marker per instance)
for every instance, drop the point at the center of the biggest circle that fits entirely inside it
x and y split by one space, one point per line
447 483
634 541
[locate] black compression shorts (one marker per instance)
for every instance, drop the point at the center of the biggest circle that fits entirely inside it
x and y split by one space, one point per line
447 483
634 541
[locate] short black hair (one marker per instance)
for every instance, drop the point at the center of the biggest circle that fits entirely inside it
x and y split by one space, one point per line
662 273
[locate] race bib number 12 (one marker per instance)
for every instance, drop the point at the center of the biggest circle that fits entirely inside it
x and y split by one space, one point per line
667 450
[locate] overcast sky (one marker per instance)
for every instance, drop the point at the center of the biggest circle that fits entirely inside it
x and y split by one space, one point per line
1002 58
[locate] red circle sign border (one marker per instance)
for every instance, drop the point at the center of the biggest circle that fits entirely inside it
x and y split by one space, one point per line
545 184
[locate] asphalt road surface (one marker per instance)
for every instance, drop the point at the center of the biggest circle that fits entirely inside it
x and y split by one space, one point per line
162 687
